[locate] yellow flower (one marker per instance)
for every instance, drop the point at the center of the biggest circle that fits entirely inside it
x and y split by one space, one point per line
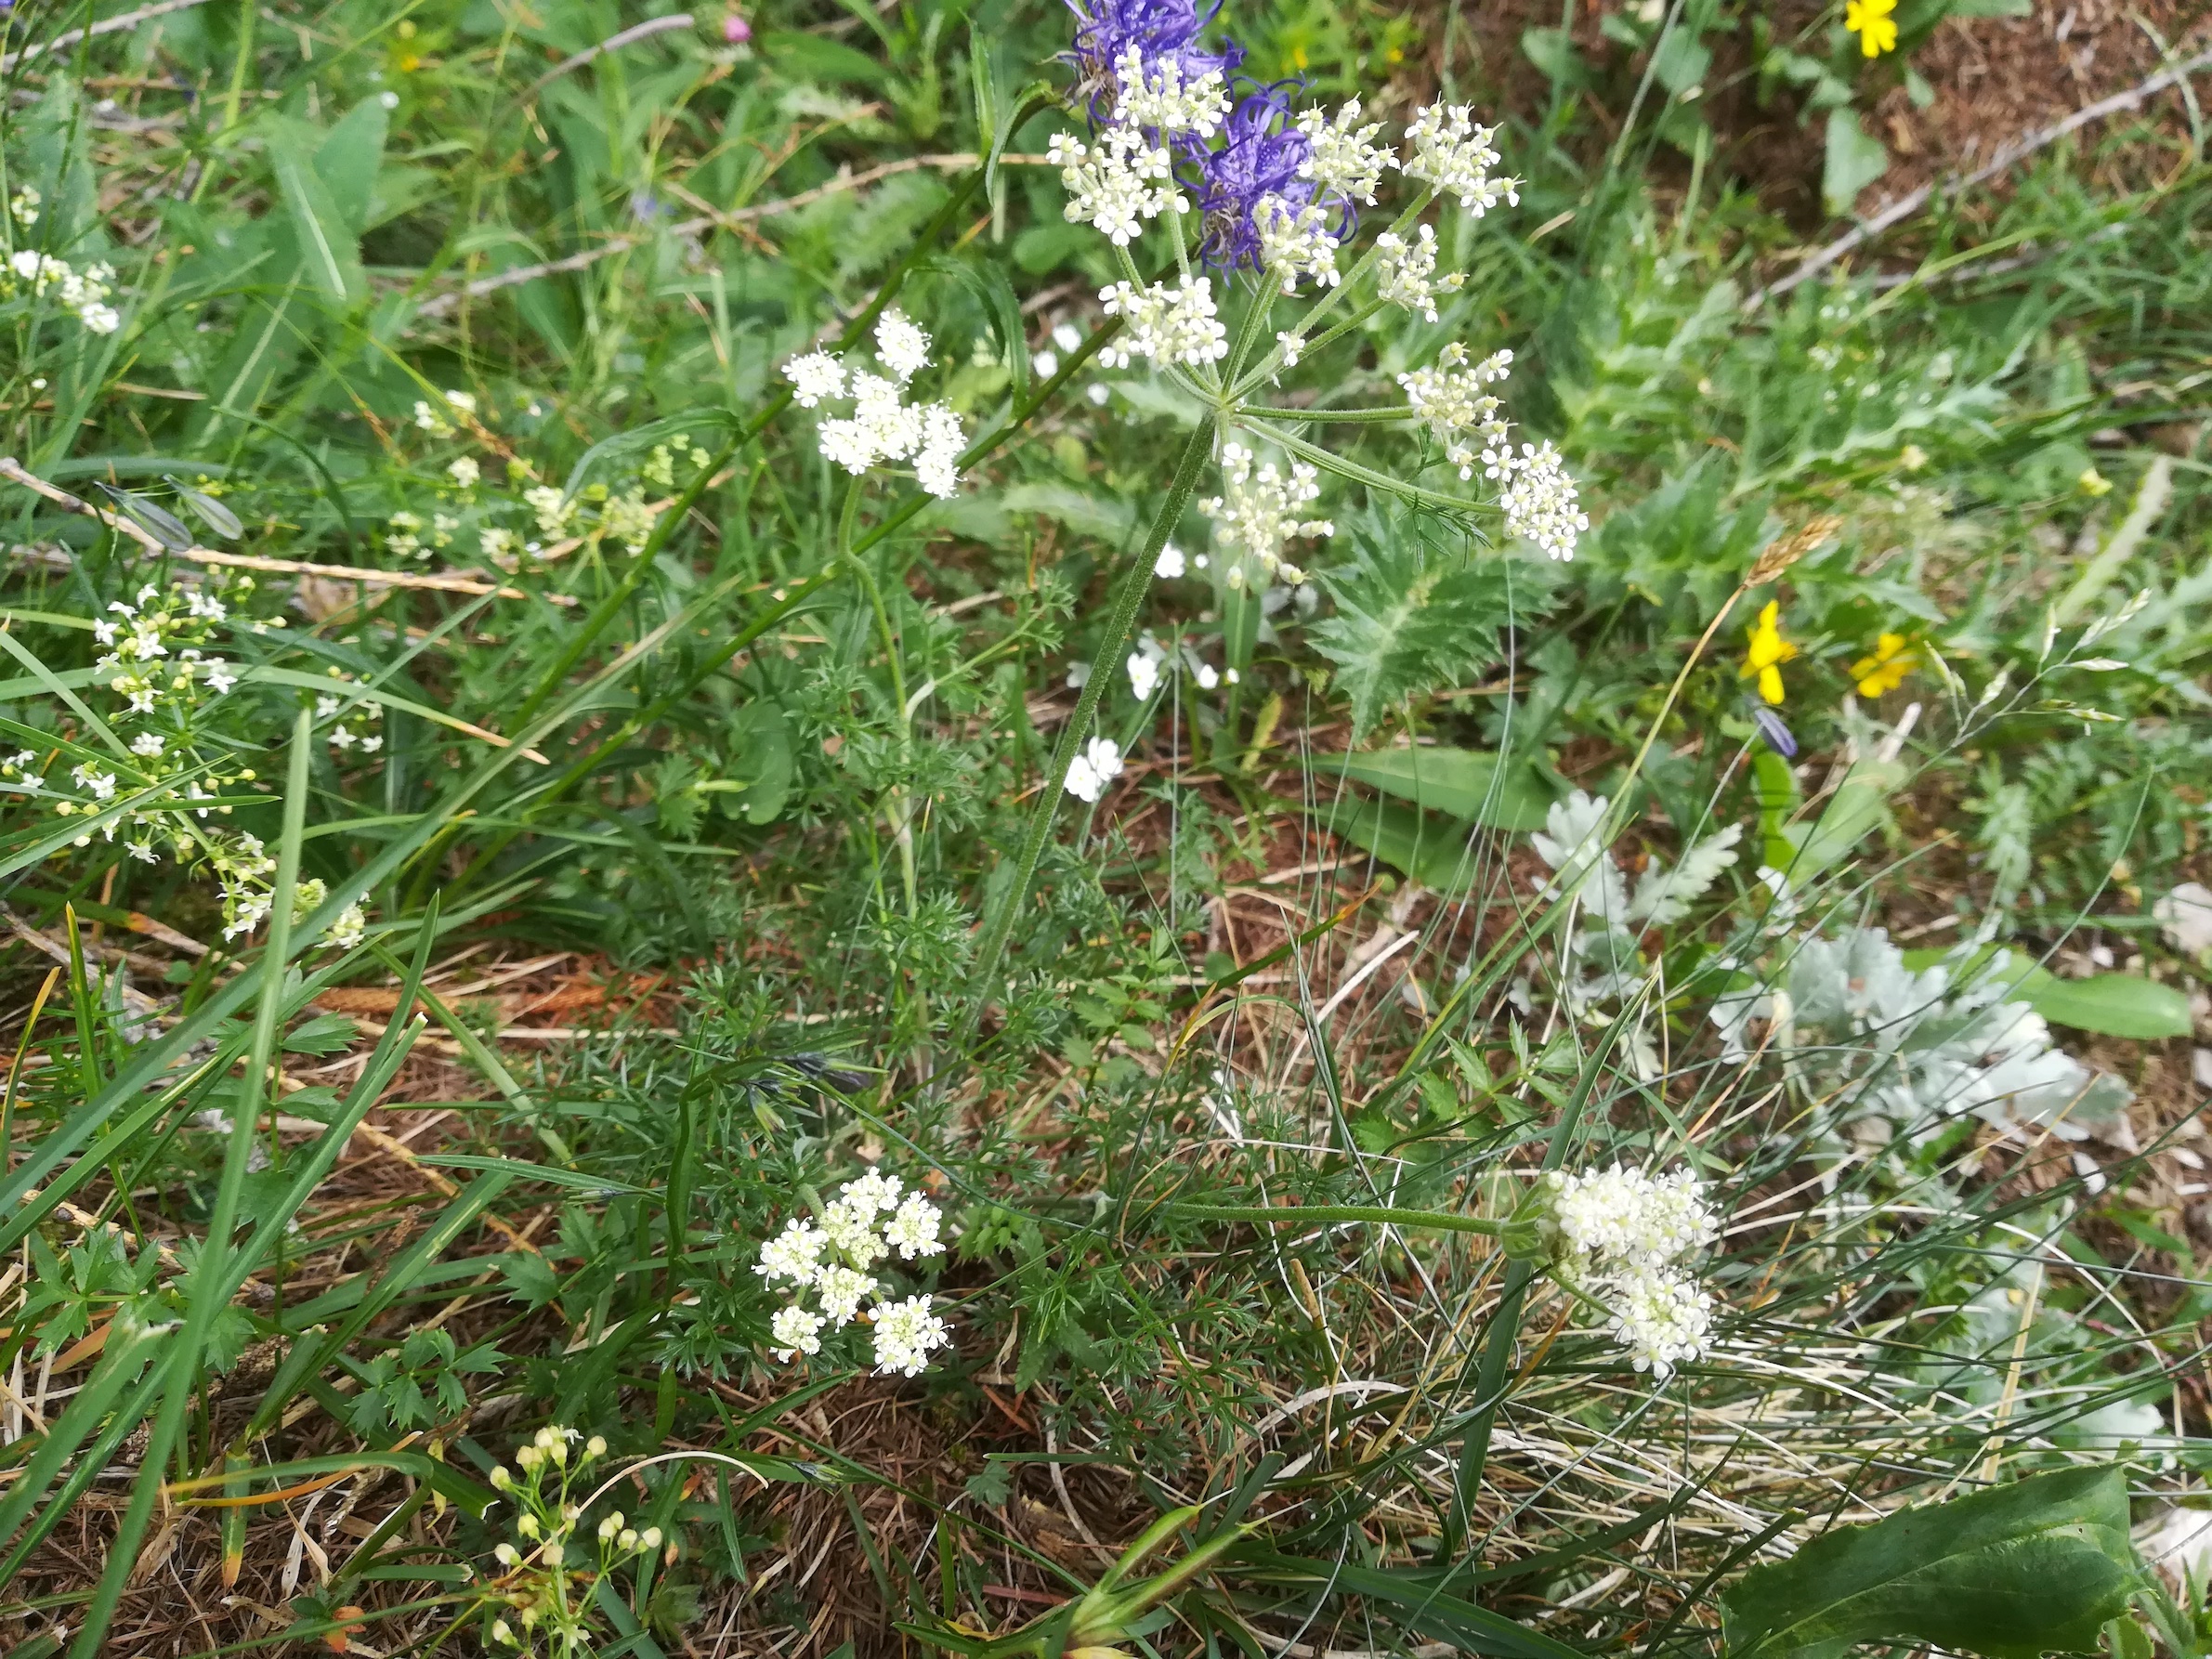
1886 669
1912 458
1870 21
2093 482
1769 652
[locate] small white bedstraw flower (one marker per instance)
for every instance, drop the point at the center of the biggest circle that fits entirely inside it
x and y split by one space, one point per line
1091 771
1342 155
903 346
1167 325
1169 565
905 1333
1451 152
147 744
1117 186
1157 99
815 376
464 472
1406 272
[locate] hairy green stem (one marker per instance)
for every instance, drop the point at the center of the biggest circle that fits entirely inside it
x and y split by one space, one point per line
1197 451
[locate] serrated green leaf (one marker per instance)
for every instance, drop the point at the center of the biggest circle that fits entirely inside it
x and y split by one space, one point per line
2035 1567
1470 785
1411 618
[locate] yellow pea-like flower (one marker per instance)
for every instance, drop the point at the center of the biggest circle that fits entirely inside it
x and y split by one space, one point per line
1768 651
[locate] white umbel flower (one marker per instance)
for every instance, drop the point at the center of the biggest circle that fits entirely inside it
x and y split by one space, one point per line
817 376
902 345
1258 511
913 1231
905 1334
1406 272
848 1226
842 1290
1663 1318
1451 152
1166 324
796 1331
936 462
1295 242
1342 155
872 1194
1157 99
793 1254
1624 1217
1449 397
1091 771
1118 186
1540 502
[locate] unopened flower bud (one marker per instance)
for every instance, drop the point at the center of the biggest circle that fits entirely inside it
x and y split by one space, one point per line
552 1553
508 1556
596 1446
528 1526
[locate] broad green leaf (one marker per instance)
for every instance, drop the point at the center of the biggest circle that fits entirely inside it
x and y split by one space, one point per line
2032 1568
1089 515
815 58
2108 1004
1854 160
1467 784
1427 849
329 253
1858 807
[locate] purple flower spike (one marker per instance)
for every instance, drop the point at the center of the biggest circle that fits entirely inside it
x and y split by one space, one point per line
1258 156
1778 735
1162 31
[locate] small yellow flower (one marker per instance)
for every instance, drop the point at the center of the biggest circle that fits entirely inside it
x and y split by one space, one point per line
1912 458
2093 482
1886 669
1870 21
1768 651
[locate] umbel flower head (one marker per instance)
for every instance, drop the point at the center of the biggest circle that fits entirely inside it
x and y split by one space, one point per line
871 1220
1626 1238
882 426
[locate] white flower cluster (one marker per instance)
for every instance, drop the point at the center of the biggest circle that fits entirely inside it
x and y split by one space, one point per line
881 426
1629 1234
83 293
1164 324
1406 272
1539 501
1295 242
1342 155
1258 509
1090 772
1160 102
156 661
866 1221
1118 186
1451 152
545 1581
1450 398
1152 662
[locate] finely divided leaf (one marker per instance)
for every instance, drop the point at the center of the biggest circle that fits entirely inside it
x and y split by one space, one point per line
2032 1568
